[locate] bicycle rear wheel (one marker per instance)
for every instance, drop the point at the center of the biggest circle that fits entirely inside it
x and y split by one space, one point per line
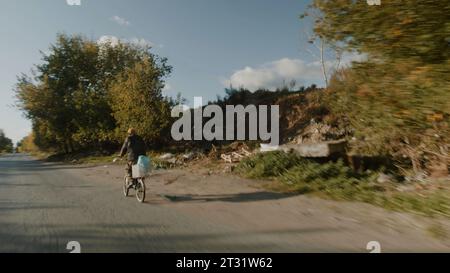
140 190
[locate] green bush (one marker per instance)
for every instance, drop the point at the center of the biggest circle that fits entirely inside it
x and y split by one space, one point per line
304 175
334 178
267 165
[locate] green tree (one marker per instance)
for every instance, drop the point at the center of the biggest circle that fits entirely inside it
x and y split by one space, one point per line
27 144
68 98
6 144
137 101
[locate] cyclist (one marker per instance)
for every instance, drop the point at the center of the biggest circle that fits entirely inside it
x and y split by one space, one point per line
134 146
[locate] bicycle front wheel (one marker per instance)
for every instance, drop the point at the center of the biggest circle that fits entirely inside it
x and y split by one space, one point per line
126 186
140 190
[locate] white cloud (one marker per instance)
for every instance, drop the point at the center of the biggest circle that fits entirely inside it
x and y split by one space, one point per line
121 21
114 41
275 74
279 73
73 2
141 42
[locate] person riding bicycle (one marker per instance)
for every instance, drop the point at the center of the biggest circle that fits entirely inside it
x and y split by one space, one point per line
134 146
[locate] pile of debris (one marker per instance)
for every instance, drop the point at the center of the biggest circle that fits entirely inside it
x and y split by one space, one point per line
322 149
232 153
236 156
316 132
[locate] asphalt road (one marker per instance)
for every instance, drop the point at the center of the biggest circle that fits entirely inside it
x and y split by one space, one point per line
44 206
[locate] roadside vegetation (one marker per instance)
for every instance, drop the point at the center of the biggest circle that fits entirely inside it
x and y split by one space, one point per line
6 144
338 181
397 97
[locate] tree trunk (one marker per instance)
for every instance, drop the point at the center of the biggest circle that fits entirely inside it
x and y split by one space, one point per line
322 61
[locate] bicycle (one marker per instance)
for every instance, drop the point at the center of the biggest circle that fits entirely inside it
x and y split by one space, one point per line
135 183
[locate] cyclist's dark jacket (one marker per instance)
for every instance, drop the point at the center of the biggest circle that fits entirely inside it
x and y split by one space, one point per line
134 146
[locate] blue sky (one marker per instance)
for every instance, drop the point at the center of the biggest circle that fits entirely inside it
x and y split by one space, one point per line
210 43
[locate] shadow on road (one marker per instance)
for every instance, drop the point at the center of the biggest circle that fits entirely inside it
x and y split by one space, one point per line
239 197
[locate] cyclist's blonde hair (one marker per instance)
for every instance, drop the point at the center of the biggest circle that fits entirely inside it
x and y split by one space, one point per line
131 131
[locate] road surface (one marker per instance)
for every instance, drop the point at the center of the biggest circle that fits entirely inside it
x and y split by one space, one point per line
44 206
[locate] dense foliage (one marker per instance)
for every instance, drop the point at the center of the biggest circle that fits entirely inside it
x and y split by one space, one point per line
78 96
398 98
6 144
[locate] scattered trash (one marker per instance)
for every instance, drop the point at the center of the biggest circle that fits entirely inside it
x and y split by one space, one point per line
167 156
234 157
173 160
268 148
189 156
